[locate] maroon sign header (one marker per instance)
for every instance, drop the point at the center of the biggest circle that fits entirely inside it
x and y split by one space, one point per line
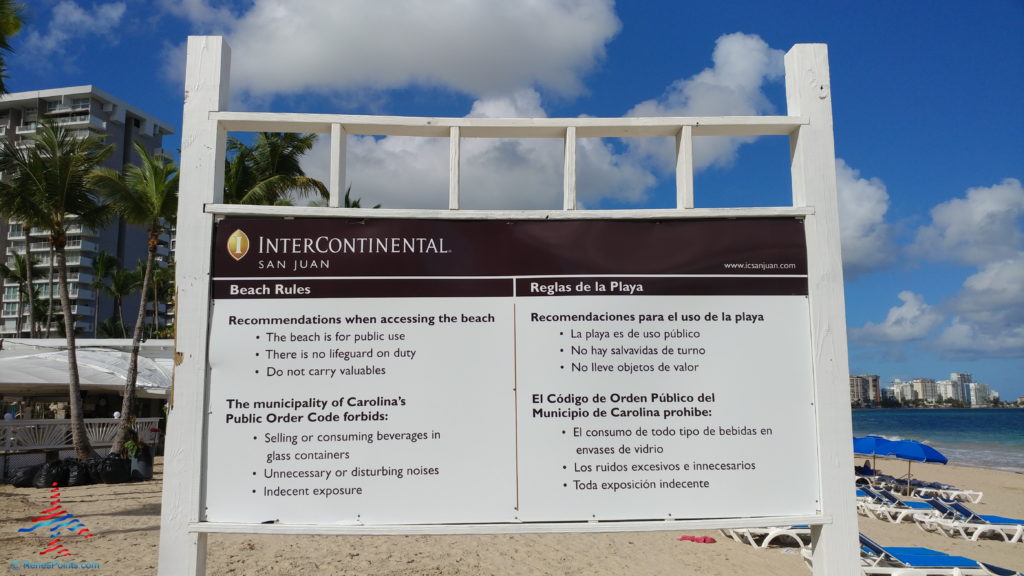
413 247
329 257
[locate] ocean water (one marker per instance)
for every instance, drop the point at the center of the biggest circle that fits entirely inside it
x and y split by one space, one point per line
981 438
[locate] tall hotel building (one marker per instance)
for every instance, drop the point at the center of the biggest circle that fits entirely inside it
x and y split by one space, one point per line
85 110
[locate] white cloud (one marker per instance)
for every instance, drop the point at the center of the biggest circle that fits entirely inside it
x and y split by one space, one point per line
912 320
507 174
866 240
999 287
742 64
70 21
527 173
201 14
510 174
987 317
982 227
478 48
963 340
990 313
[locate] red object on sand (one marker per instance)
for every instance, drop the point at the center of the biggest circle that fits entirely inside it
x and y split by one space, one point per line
698 539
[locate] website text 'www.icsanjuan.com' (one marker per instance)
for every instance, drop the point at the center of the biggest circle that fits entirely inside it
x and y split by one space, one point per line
760 266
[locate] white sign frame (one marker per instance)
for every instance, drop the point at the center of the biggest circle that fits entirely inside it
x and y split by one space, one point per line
808 124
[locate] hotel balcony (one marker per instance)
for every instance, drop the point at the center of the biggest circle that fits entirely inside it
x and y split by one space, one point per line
73 259
75 293
79 230
81 277
53 109
83 245
81 309
84 120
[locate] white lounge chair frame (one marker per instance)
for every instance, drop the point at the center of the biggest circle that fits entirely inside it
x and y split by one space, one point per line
973 531
972 496
763 537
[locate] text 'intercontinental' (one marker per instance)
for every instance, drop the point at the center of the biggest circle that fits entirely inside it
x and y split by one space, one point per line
358 245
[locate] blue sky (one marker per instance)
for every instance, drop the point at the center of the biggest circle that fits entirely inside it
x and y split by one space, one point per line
929 125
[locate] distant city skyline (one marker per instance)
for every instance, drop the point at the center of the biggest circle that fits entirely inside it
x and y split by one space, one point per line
959 387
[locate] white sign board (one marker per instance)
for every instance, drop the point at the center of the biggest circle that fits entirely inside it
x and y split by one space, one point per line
387 371
497 439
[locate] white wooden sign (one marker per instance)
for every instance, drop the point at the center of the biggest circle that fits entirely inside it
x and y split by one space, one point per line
509 371
473 372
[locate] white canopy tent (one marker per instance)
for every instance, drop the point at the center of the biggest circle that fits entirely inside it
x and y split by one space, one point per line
36 366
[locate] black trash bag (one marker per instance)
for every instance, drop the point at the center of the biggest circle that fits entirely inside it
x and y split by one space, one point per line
115 470
50 474
23 476
94 466
78 472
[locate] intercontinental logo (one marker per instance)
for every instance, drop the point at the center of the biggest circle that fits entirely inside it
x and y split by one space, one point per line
297 253
238 244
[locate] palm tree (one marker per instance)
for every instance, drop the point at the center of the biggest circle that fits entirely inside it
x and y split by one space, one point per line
269 171
15 206
40 310
147 195
49 294
347 201
163 278
19 274
109 328
103 266
47 184
350 203
123 283
10 24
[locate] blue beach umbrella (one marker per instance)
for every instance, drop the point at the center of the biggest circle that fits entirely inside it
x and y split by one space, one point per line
912 451
870 446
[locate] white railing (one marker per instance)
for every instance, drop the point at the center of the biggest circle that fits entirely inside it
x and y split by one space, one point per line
36 435
568 130
72 260
86 245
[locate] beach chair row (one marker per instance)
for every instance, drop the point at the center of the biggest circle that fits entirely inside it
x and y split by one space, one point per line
876 560
919 488
949 517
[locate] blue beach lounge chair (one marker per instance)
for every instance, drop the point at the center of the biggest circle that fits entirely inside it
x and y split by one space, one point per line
923 489
885 505
955 519
880 560
942 513
972 526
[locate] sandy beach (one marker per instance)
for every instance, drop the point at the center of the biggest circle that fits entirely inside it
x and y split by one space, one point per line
125 522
